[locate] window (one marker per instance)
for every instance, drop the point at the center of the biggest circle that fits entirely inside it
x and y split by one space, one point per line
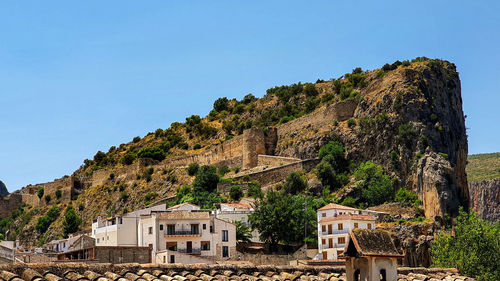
121 220
323 242
355 225
341 226
225 251
369 226
164 259
339 253
211 229
172 259
323 215
98 241
150 230
195 229
330 231
205 245
161 226
204 226
171 229
323 228
341 240
171 246
225 236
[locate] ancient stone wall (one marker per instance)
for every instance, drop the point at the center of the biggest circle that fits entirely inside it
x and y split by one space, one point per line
65 185
253 145
275 161
276 174
319 119
9 204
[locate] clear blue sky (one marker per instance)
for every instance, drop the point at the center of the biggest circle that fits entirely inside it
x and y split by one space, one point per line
80 76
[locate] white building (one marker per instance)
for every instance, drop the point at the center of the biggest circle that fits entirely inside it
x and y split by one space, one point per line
334 223
179 234
120 230
61 245
184 232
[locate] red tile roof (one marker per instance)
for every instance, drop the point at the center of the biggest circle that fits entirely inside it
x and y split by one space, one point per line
348 217
336 206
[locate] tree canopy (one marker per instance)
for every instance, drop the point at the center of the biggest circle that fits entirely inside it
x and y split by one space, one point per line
474 249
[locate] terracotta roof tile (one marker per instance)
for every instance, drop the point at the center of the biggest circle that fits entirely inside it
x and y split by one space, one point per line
348 217
204 272
336 206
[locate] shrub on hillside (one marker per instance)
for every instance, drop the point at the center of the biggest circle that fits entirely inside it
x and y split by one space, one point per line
193 169
72 221
58 194
375 185
45 221
221 104
151 152
206 179
40 192
254 190
406 197
294 184
235 193
128 158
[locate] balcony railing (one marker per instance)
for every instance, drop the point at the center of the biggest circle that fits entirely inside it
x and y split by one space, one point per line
334 246
335 232
182 232
194 251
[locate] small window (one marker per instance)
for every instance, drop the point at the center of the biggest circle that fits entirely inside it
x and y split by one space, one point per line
339 253
97 240
204 226
172 259
369 226
121 221
161 226
355 225
205 245
225 251
341 240
323 214
341 226
164 259
211 229
150 230
225 236
323 228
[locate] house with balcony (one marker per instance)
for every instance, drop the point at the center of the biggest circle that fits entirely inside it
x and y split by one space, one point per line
186 234
334 223
121 230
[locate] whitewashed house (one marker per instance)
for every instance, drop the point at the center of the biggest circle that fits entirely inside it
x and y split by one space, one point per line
334 223
120 230
186 234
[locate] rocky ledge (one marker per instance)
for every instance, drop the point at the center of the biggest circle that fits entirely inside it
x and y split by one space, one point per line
485 199
150 272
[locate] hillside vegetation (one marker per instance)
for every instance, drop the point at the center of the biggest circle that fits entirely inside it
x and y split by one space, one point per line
483 166
403 124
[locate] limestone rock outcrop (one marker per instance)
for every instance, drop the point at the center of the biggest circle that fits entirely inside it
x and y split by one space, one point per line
485 199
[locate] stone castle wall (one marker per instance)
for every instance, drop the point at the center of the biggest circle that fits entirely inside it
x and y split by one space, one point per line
275 161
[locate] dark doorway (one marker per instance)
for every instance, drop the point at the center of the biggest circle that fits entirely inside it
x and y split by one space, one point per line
189 247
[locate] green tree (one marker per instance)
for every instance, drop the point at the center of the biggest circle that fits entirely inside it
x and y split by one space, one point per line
72 221
58 194
40 192
151 152
376 186
236 193
474 249
221 104
406 197
45 221
193 169
243 232
334 154
294 183
254 191
128 158
281 218
206 179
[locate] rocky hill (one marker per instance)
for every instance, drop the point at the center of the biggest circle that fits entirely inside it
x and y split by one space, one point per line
3 189
406 117
483 172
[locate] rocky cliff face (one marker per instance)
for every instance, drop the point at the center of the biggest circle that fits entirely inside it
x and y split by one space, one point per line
3 189
416 114
485 199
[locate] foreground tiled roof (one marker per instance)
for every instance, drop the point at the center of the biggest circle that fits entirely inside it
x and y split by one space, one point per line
136 272
371 243
348 217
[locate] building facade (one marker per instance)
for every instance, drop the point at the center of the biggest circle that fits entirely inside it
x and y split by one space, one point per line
334 223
